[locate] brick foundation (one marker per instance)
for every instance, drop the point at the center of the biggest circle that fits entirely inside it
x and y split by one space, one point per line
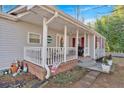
36 70
66 66
40 72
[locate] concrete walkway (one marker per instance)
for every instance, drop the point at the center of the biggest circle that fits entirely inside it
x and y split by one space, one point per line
90 64
87 81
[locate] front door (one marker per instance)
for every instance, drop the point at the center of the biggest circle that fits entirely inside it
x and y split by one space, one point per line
82 42
73 42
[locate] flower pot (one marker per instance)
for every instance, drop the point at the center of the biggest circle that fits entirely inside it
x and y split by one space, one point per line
106 68
109 62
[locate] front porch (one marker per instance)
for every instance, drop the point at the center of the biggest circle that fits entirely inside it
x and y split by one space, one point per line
59 40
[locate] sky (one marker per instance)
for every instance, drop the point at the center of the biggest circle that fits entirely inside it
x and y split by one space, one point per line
88 13
7 8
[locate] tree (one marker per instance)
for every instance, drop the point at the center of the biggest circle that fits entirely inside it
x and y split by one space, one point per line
112 27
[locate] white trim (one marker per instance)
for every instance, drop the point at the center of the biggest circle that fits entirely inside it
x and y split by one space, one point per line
53 17
35 34
8 17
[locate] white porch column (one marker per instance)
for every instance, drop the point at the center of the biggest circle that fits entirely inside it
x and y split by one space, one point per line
101 50
77 44
104 41
94 46
65 42
44 46
84 44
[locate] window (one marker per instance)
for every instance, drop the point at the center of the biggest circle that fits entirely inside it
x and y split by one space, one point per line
34 38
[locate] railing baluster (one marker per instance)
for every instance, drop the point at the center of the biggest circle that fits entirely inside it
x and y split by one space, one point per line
55 55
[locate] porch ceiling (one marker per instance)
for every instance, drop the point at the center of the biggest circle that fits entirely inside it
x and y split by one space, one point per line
36 14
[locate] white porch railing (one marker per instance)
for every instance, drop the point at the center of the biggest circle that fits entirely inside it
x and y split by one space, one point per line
33 54
55 55
86 51
99 53
70 53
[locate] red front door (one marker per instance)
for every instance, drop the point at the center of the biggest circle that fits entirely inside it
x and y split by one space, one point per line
73 42
82 42
95 42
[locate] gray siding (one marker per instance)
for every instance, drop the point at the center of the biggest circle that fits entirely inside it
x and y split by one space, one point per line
13 39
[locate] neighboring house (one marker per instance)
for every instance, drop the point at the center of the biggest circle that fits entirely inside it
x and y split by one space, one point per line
44 36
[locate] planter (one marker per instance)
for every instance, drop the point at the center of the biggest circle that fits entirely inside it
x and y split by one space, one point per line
106 68
109 62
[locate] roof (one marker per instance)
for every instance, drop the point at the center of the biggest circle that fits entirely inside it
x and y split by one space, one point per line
76 21
52 10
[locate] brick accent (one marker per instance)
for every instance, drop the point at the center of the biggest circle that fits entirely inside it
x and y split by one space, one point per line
40 72
36 70
66 66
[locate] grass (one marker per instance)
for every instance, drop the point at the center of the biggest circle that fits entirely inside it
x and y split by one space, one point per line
116 59
67 78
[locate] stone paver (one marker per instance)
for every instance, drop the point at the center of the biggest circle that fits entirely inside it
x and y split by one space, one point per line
87 81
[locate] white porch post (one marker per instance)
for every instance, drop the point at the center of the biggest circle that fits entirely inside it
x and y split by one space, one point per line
104 41
44 46
101 52
77 44
65 42
84 44
94 46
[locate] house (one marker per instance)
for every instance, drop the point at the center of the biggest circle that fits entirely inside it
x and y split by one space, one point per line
44 36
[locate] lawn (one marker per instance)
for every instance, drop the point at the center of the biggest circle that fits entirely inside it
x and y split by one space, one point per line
116 59
66 79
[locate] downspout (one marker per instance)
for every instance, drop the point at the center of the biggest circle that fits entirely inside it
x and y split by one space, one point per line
48 71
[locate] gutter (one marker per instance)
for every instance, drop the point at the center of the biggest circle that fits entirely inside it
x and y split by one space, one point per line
9 17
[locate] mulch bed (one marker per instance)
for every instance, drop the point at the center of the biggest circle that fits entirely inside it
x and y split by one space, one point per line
8 81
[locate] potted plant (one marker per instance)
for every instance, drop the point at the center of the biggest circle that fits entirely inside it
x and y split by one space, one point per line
109 59
105 65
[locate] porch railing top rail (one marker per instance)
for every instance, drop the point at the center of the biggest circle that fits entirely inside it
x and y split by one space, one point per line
55 55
